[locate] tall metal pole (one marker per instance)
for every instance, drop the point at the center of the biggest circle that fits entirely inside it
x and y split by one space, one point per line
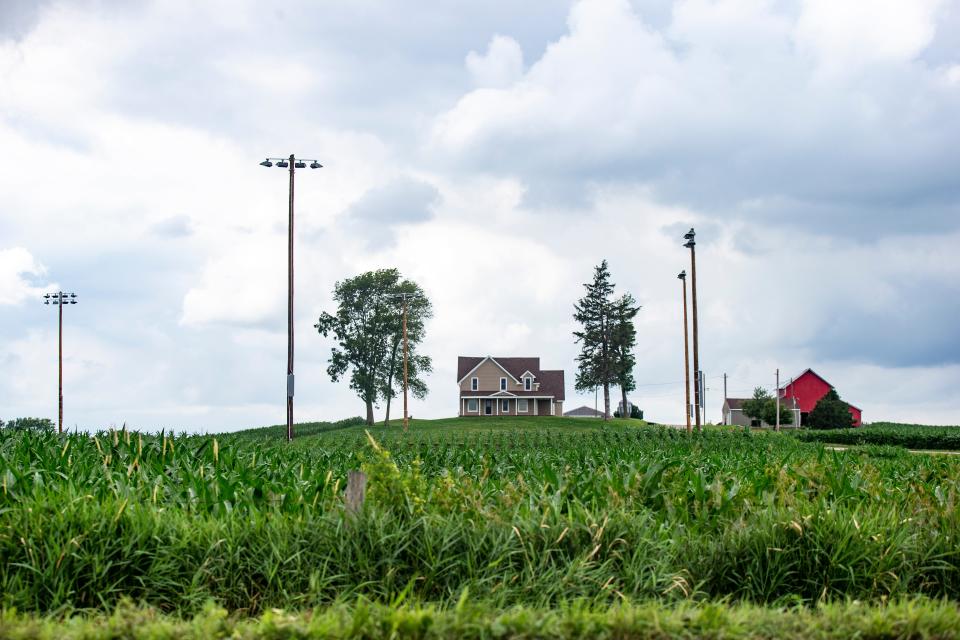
60 367
293 164
686 353
696 338
725 396
290 379
778 400
406 419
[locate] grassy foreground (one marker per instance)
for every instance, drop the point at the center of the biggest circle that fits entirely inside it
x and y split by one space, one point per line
907 619
516 513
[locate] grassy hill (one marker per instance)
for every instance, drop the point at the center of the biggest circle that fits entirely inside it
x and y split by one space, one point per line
351 428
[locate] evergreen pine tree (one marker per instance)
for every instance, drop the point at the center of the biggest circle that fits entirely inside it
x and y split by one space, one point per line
595 364
624 339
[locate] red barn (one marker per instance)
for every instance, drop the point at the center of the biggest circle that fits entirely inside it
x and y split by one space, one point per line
807 389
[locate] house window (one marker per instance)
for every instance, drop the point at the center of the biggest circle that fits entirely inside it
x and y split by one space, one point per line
505 405
522 406
475 384
503 384
472 405
527 384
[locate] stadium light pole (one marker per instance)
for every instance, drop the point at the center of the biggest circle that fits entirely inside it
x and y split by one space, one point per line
60 299
405 297
292 163
690 237
686 353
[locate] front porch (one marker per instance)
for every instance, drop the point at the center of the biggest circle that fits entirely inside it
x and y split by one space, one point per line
507 405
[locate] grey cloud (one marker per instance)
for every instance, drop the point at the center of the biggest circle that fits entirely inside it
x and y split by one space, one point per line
19 17
920 329
404 201
372 69
878 150
173 227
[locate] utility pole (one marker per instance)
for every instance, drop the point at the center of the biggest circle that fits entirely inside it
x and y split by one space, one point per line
686 354
60 299
725 397
691 244
406 417
778 400
405 297
293 163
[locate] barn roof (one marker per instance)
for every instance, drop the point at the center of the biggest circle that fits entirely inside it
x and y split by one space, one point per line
736 403
584 411
805 372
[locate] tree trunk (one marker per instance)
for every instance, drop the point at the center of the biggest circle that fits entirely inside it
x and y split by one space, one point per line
370 413
606 400
625 410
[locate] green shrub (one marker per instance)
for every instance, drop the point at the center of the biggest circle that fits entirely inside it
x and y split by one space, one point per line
830 413
885 434
40 425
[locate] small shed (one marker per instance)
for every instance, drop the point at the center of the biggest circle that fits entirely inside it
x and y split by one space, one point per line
583 412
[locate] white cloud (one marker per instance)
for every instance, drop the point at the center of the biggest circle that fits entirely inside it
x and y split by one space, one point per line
501 66
812 147
845 35
17 268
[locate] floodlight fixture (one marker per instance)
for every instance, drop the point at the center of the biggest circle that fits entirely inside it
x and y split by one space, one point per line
682 275
293 163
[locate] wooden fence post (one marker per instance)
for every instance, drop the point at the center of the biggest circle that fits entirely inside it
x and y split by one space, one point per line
356 490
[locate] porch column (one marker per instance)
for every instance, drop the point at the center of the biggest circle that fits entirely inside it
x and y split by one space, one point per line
536 403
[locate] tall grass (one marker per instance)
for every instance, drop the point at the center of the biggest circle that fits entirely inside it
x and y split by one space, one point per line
510 517
363 620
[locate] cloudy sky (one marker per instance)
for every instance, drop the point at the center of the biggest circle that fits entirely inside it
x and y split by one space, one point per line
494 152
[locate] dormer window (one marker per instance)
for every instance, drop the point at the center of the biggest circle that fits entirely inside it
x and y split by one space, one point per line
527 383
475 384
503 384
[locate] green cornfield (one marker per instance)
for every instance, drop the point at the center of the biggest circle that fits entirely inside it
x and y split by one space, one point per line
911 436
538 514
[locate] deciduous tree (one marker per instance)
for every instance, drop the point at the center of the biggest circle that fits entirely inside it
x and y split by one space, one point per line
367 328
763 407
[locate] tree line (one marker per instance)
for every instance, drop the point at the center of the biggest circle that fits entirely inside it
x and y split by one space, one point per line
368 329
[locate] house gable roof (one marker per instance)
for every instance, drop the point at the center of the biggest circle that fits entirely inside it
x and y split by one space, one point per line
471 364
551 382
513 367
